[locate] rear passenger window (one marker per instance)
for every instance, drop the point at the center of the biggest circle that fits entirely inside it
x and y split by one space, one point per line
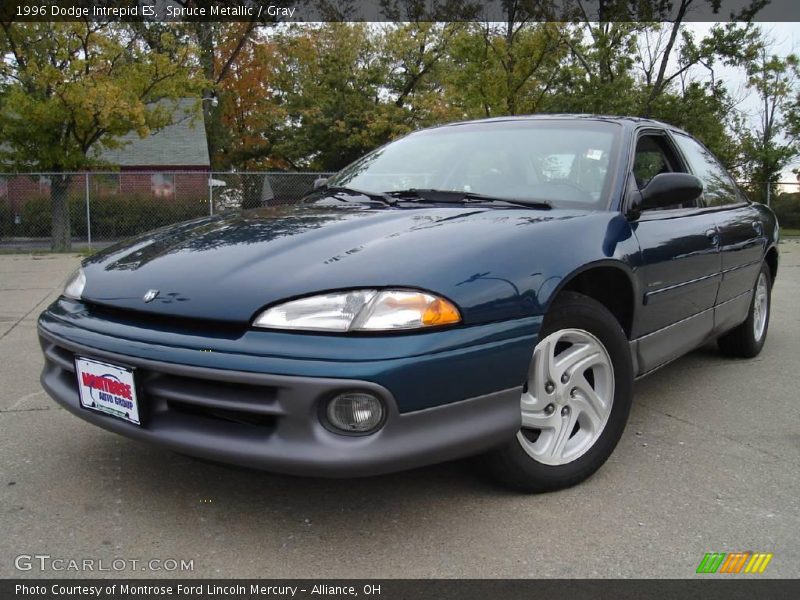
719 188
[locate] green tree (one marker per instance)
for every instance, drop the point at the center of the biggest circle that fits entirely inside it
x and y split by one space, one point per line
707 111
598 76
69 90
320 96
774 141
504 69
329 87
673 51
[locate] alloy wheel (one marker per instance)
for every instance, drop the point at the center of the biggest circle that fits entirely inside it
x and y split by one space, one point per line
568 396
760 307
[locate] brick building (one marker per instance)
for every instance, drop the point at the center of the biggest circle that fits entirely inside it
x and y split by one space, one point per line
172 163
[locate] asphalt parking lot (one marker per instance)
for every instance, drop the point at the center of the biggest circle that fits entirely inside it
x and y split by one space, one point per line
710 461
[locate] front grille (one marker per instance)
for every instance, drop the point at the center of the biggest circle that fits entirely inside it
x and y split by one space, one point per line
174 323
166 395
218 414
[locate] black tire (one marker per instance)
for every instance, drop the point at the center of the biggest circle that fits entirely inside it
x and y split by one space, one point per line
741 341
511 465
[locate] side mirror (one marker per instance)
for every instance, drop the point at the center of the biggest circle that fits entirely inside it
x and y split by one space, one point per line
318 183
670 189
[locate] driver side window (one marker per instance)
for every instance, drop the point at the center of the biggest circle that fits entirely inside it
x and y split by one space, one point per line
654 155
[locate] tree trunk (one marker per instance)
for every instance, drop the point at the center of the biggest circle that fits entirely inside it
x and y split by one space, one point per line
212 116
217 135
62 236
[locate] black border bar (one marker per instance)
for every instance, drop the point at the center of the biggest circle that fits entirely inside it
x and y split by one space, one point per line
731 587
298 11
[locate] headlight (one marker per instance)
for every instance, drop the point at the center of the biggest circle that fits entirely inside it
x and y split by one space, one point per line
361 310
75 285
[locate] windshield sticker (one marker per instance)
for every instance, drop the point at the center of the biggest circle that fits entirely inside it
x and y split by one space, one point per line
594 154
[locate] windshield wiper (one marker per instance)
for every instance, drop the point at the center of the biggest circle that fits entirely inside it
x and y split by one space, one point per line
457 197
379 197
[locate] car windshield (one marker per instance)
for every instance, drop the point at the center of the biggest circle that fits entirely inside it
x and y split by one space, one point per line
567 163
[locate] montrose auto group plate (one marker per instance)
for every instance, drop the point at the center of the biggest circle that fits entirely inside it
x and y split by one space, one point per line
108 389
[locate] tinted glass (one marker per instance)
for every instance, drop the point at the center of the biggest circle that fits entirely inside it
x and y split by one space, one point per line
653 156
568 163
719 188
648 164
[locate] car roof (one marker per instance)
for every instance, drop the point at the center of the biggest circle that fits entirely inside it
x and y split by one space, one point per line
627 122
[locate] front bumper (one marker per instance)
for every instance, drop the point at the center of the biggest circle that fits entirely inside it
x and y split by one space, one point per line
271 421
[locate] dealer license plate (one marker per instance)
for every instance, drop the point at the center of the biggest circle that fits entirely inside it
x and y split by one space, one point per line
107 388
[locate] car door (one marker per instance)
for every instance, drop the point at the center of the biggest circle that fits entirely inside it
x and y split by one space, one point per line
742 237
679 264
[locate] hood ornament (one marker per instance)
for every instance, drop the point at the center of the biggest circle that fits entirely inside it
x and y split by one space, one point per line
150 295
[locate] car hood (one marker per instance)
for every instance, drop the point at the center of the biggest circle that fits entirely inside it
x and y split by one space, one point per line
228 268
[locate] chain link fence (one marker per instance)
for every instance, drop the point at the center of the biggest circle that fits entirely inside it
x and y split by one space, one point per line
102 207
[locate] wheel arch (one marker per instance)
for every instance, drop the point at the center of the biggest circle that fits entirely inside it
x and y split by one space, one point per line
609 282
771 258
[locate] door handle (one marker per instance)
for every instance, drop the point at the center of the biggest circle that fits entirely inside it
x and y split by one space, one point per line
713 236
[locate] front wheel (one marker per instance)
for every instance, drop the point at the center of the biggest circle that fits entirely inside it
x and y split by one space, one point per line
747 340
575 401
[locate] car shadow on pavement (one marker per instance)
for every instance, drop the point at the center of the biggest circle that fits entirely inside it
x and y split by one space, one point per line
706 357
262 503
162 474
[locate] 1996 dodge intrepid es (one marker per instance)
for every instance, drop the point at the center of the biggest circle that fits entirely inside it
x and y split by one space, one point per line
491 287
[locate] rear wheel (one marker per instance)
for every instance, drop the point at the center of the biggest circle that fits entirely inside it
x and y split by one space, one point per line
575 401
747 340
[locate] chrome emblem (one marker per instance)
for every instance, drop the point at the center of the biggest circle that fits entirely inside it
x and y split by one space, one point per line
150 295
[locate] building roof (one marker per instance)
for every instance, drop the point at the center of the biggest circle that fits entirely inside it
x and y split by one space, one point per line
181 144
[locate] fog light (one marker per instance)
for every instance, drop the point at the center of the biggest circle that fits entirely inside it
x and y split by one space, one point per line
355 412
